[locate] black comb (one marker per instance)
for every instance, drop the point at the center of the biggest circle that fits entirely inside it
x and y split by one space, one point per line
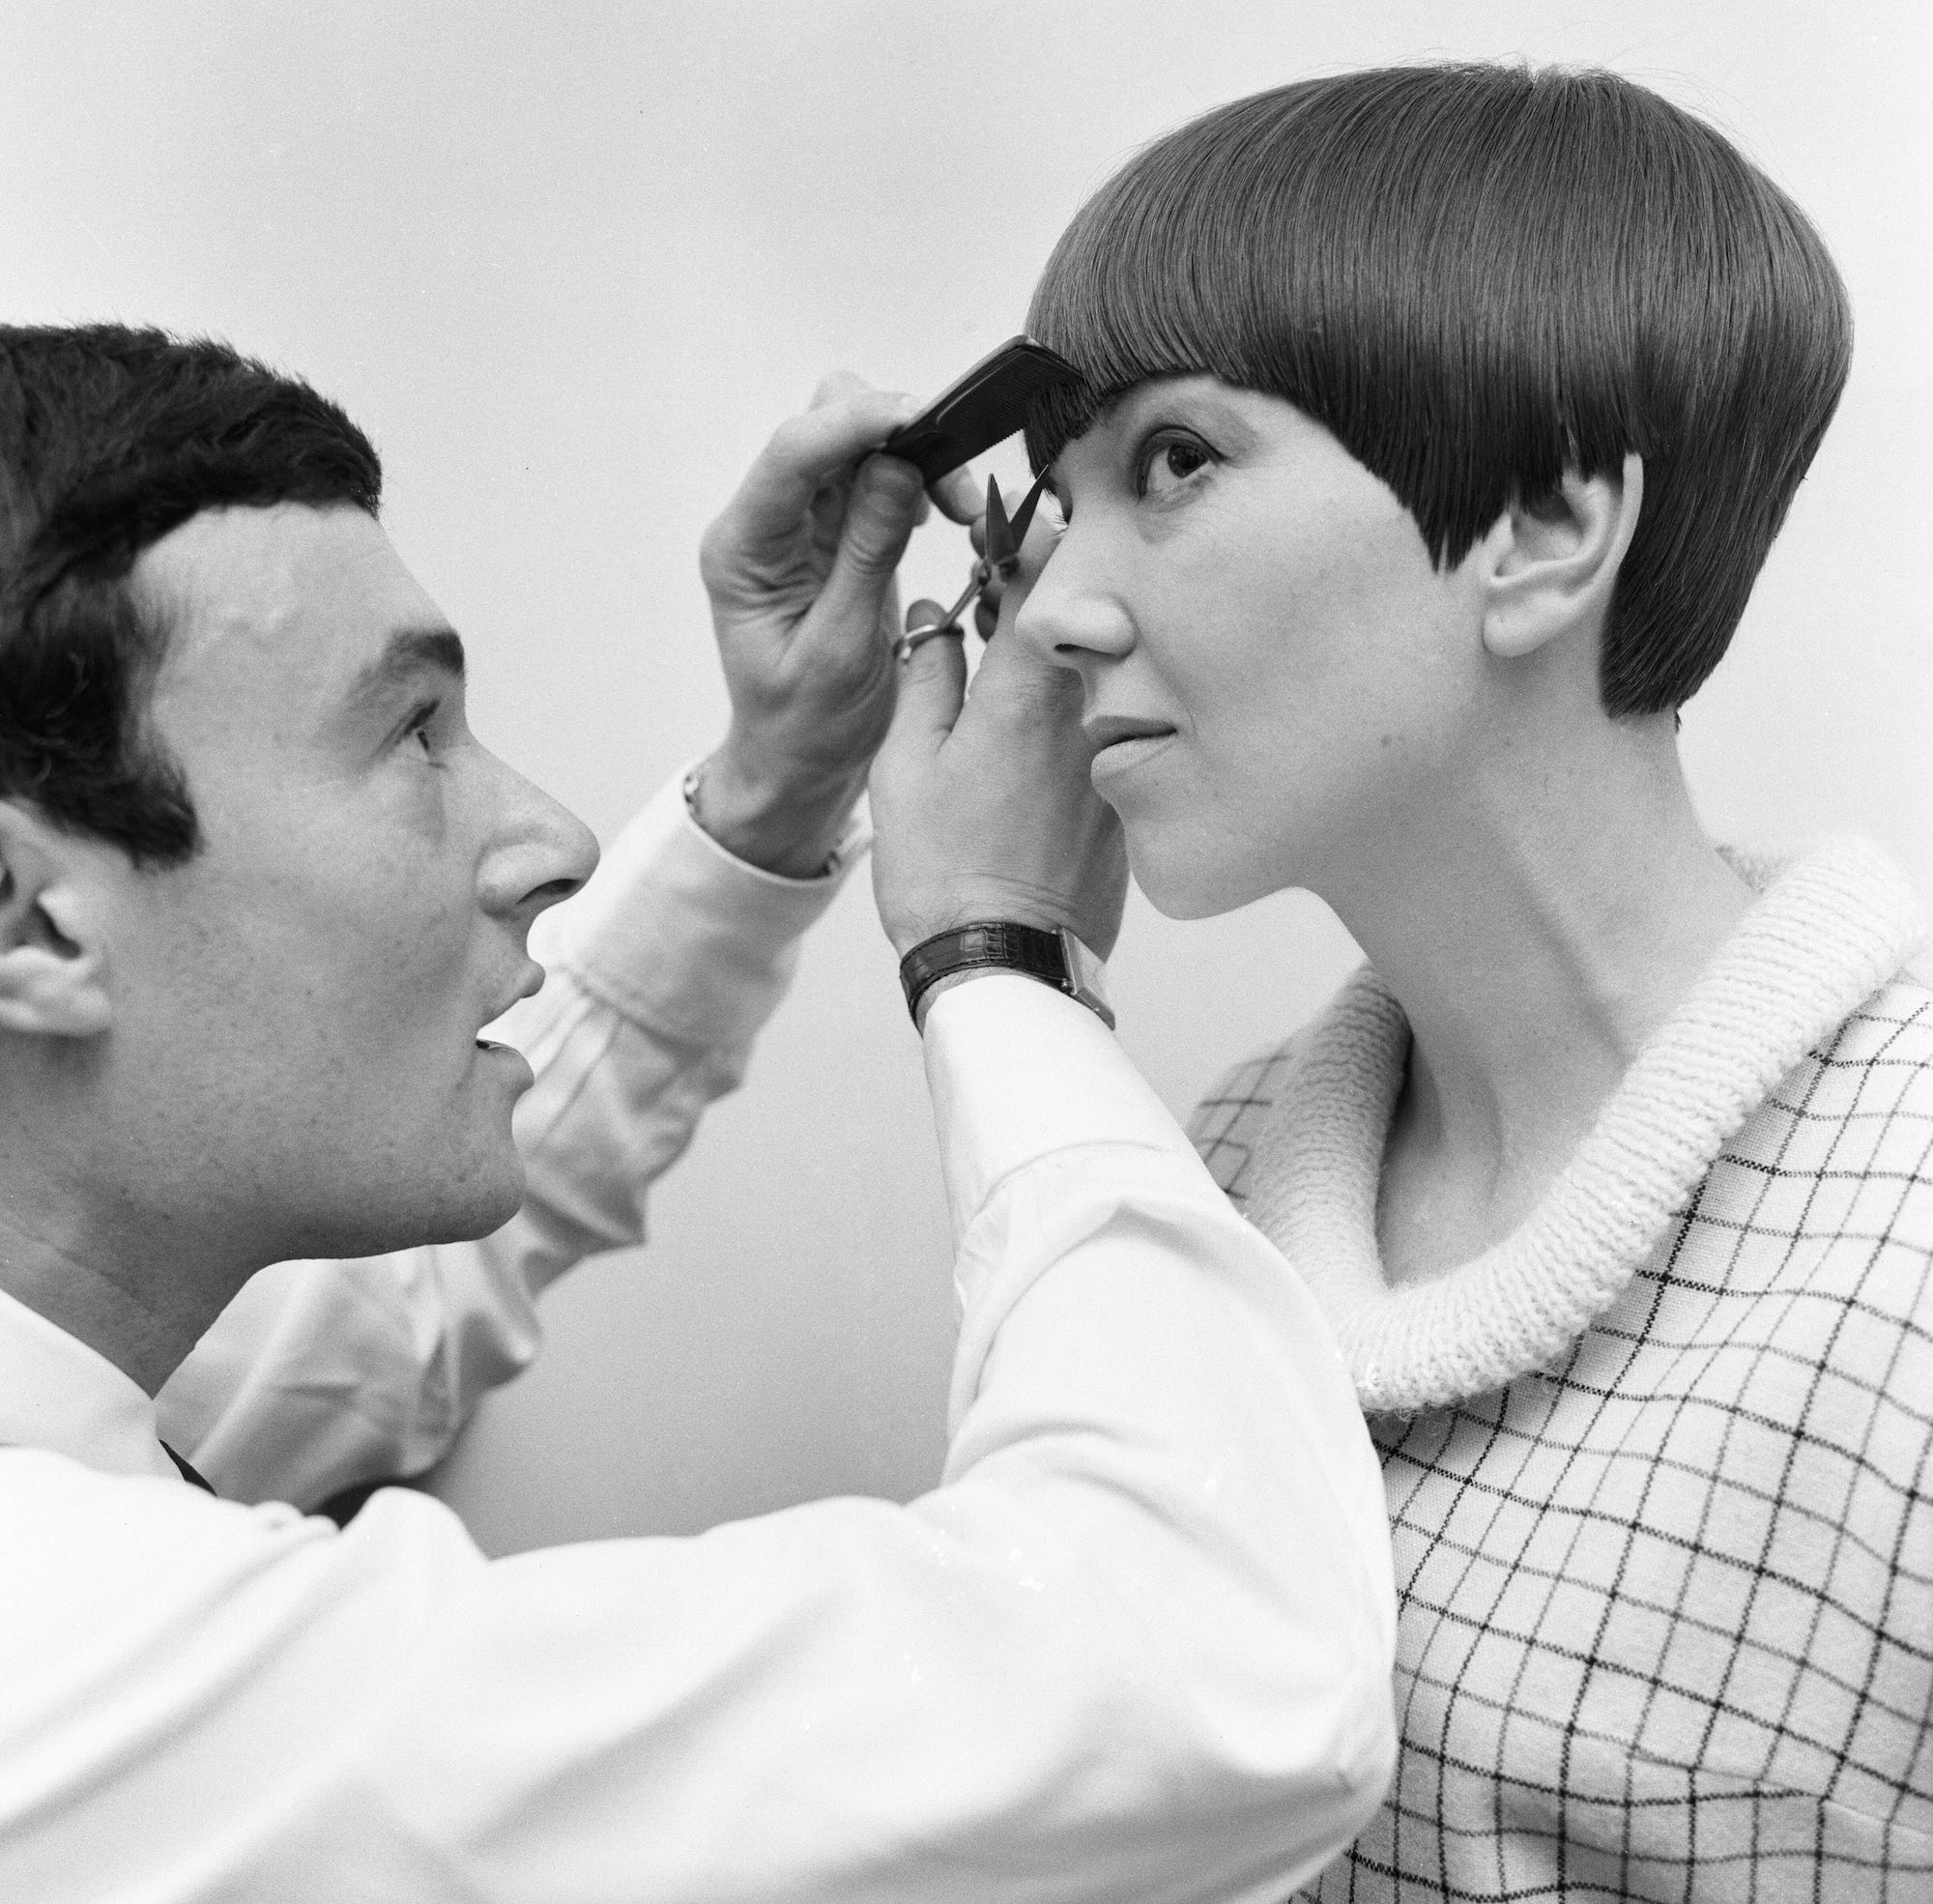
984 407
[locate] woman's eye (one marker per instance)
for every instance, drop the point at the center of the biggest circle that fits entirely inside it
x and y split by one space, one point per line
1169 463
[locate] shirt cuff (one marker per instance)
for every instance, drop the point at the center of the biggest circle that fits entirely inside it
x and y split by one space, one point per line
678 934
1019 1070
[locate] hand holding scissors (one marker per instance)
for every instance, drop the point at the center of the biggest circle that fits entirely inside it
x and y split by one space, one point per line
1002 539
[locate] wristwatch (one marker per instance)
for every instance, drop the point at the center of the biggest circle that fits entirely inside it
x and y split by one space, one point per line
1055 957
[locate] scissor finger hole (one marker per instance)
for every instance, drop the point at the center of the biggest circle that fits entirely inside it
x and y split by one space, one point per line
912 637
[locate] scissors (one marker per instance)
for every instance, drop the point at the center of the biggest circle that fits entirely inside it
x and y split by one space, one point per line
973 414
1004 540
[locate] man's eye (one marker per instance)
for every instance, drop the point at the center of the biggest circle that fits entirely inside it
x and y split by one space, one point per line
1169 462
419 728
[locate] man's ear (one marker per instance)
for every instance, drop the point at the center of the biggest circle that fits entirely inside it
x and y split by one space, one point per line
52 965
1557 561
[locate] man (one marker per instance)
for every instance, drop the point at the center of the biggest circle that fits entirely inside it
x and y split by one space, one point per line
262 893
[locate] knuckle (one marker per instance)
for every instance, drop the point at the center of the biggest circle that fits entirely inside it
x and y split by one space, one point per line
872 552
834 384
715 549
791 439
876 533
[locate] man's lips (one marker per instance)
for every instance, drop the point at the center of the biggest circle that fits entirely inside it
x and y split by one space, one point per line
526 987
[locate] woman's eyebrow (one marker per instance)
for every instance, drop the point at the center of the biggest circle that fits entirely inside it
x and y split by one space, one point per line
1200 398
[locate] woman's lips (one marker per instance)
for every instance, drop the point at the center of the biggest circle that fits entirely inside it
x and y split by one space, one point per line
1122 740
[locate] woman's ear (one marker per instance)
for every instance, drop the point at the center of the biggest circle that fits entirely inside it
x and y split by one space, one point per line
1556 561
52 965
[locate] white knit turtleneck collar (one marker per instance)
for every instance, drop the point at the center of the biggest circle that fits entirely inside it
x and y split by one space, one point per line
1828 929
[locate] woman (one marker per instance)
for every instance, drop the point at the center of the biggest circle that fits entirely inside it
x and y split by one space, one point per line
1438 424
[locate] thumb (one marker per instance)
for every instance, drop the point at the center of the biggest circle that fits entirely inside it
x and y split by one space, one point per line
879 516
932 687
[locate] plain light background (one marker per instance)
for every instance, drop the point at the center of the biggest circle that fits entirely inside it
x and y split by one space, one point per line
570 264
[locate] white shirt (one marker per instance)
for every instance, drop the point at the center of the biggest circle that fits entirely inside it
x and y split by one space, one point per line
1136 1646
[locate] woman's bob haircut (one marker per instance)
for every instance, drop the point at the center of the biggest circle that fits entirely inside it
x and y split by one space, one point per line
1477 277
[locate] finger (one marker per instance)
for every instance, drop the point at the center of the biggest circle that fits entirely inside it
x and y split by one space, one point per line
933 685
1008 603
925 613
1010 592
987 604
879 520
807 450
958 496
836 384
1045 529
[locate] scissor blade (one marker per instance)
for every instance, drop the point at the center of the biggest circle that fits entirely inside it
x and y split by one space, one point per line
1023 516
1003 548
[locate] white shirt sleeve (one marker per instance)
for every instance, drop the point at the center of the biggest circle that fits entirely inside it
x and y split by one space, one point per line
322 1374
1137 1645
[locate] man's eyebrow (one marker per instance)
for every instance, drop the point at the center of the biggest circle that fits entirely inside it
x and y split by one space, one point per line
408 653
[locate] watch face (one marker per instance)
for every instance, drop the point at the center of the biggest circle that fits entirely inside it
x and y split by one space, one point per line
1087 977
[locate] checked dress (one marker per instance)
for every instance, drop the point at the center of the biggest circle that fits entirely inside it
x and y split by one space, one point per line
1660 1465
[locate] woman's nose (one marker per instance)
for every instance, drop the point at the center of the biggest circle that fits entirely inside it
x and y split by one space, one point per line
1069 612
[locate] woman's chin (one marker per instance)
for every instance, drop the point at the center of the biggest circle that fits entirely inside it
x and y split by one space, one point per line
1184 885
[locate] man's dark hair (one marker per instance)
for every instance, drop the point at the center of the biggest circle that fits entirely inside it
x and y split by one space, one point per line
1477 277
109 438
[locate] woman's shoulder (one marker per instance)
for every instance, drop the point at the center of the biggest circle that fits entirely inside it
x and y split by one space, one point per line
1857 1117
1872 1077
1892 1032
1230 1118
1359 1025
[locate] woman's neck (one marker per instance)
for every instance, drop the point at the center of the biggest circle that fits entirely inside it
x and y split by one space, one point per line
1535 937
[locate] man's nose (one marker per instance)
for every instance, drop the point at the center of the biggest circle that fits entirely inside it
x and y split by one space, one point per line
542 852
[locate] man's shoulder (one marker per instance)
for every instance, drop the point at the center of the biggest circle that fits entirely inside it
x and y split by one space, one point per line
111 1549
1229 1117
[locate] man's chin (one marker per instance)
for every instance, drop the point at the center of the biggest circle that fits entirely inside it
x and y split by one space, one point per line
482 1218
456 1208
482 1201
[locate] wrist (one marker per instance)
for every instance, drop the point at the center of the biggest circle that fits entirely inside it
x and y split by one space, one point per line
1054 958
787 822
942 985
908 928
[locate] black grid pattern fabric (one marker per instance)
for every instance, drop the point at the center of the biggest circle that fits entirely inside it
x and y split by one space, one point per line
1666 1610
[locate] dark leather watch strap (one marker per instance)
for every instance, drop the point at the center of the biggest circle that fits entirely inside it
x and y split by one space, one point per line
996 943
